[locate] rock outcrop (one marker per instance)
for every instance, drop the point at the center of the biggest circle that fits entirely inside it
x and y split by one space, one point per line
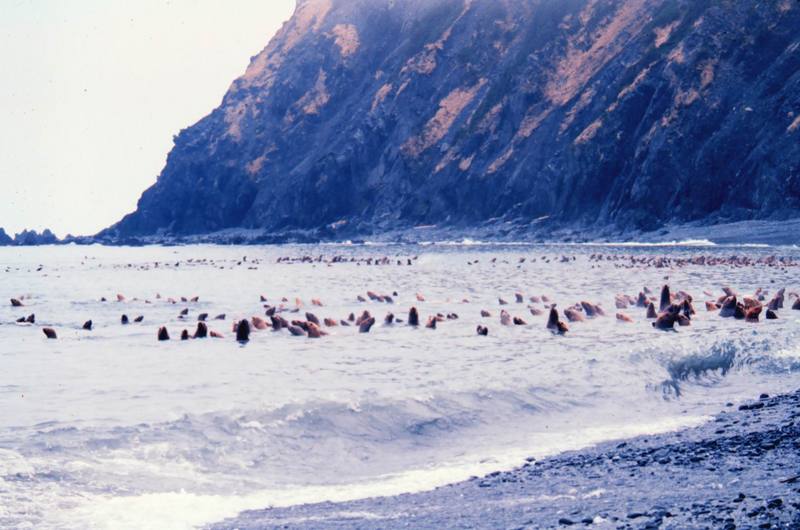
362 116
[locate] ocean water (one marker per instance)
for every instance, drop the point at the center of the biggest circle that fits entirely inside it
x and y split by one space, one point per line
111 429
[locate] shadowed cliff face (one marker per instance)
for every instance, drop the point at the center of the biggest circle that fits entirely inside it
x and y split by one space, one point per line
366 115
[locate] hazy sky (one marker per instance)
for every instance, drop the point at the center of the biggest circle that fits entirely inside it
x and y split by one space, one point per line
92 92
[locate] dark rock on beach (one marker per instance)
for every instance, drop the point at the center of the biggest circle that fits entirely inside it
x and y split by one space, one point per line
739 470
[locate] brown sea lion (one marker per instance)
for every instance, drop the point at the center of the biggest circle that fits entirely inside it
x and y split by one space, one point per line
120 298
519 298
420 298
389 319
622 317
163 334
711 306
202 331
482 331
588 308
297 331
50 333
666 321
501 301
545 299
364 316
220 317
311 317
651 311
519 322
796 305
729 292
772 315
505 318
30 319
413 317
87 325
344 323
16 303
683 320
361 298
552 320
573 315
184 312
777 300
271 311
314 332
739 312
263 298
194 299
642 301
366 325
202 317
485 314
351 317
330 322
728 308
620 302
215 334
535 311
185 335
124 319
316 302
431 323
666 298
536 299
752 314
258 323
562 328
139 319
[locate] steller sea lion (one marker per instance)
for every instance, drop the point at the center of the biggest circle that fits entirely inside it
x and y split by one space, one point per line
195 299
364 316
666 298
258 323
330 322
139 319
711 306
519 322
413 317
562 328
297 331
16 303
666 321
124 319
202 331
683 320
535 299
87 325
501 301
728 308
316 302
366 324
120 298
622 317
185 335
163 334
485 314
573 315
344 323
651 311
642 301
311 317
431 323
202 317
505 318
220 317
752 314
184 312
420 298
482 331
389 320
313 331
739 312
796 305
351 317
519 298
535 311
31 319
771 315
50 333
263 298
215 335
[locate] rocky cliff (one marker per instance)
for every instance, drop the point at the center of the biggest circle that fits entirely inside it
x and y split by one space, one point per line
369 115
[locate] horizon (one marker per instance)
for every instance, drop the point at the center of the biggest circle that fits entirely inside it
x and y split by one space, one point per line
70 68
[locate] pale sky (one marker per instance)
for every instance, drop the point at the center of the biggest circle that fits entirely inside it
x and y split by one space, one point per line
92 92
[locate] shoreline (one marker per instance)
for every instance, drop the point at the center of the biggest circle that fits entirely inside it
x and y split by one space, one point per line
741 469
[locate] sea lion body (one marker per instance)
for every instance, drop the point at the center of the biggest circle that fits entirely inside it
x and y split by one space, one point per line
163 334
50 333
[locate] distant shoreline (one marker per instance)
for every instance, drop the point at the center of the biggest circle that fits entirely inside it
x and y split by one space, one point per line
737 470
760 232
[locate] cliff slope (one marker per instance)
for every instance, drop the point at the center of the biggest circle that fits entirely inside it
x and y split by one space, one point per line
368 115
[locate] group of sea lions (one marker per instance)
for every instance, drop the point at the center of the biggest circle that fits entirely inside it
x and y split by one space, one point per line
669 309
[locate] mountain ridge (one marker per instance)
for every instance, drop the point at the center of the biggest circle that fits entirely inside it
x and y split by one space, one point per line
363 117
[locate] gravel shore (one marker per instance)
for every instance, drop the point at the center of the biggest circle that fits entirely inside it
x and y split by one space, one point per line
740 470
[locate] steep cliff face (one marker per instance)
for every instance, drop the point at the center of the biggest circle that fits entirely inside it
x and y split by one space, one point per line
364 115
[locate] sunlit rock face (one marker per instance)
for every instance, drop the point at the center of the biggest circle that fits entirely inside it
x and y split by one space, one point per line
368 115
